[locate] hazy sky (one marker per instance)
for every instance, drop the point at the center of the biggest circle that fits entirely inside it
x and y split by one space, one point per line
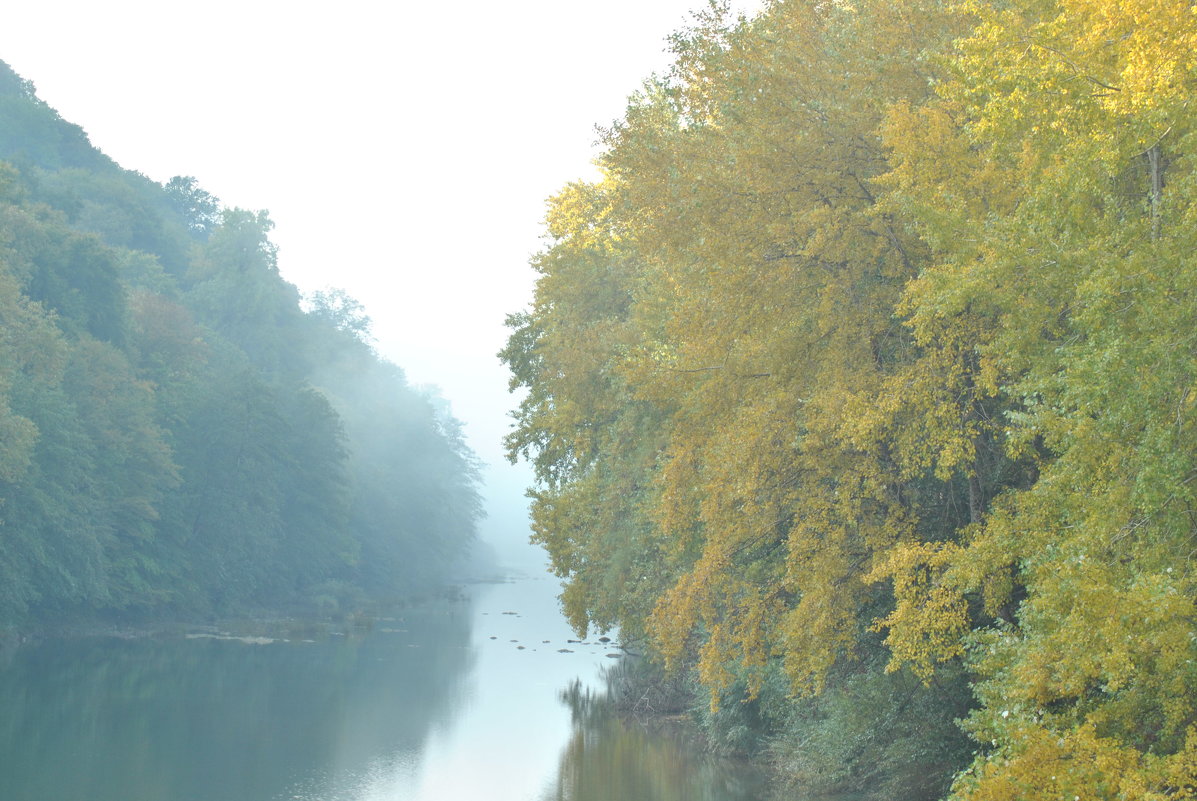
404 150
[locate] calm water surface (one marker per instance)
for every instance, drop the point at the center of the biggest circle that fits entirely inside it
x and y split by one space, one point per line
453 702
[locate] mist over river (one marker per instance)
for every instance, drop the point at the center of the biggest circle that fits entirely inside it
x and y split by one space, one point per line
450 701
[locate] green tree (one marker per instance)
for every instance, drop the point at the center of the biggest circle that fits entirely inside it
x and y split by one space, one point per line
198 207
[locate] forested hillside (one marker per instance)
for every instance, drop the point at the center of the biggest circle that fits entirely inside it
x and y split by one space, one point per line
179 433
861 387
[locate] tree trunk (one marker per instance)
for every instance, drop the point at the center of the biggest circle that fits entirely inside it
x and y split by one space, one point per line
1156 168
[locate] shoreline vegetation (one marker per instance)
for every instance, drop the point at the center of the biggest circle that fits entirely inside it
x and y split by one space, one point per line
811 756
183 435
861 388
253 627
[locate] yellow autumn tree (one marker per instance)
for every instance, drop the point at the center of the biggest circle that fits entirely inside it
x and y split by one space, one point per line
593 445
879 325
760 276
1062 238
772 274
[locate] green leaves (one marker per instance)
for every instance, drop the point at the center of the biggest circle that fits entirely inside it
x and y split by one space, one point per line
902 296
176 434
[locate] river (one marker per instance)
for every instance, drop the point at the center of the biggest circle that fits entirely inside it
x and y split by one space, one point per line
483 698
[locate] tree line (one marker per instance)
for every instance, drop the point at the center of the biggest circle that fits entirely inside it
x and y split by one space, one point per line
181 433
861 388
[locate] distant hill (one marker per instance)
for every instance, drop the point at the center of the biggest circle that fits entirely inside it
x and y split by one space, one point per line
180 432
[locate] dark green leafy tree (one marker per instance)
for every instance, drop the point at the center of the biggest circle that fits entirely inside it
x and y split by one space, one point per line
199 208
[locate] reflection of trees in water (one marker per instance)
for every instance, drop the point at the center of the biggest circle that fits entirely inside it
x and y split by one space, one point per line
612 757
202 720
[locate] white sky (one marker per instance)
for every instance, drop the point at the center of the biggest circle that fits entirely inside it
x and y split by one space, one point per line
404 150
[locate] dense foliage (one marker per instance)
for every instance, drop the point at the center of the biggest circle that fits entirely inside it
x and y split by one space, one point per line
178 435
863 384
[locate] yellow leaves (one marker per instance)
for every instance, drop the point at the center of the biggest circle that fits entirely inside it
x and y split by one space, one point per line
1178 770
741 640
860 307
1153 42
930 617
580 214
1080 763
818 632
677 614
1129 637
1048 767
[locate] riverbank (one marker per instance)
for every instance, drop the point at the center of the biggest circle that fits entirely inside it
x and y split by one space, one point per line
448 699
290 622
854 742
642 695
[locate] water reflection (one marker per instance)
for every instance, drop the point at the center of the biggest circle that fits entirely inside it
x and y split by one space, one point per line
222 720
613 757
453 702
505 738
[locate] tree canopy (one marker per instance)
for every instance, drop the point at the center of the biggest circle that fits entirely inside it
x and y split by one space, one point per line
870 354
178 436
